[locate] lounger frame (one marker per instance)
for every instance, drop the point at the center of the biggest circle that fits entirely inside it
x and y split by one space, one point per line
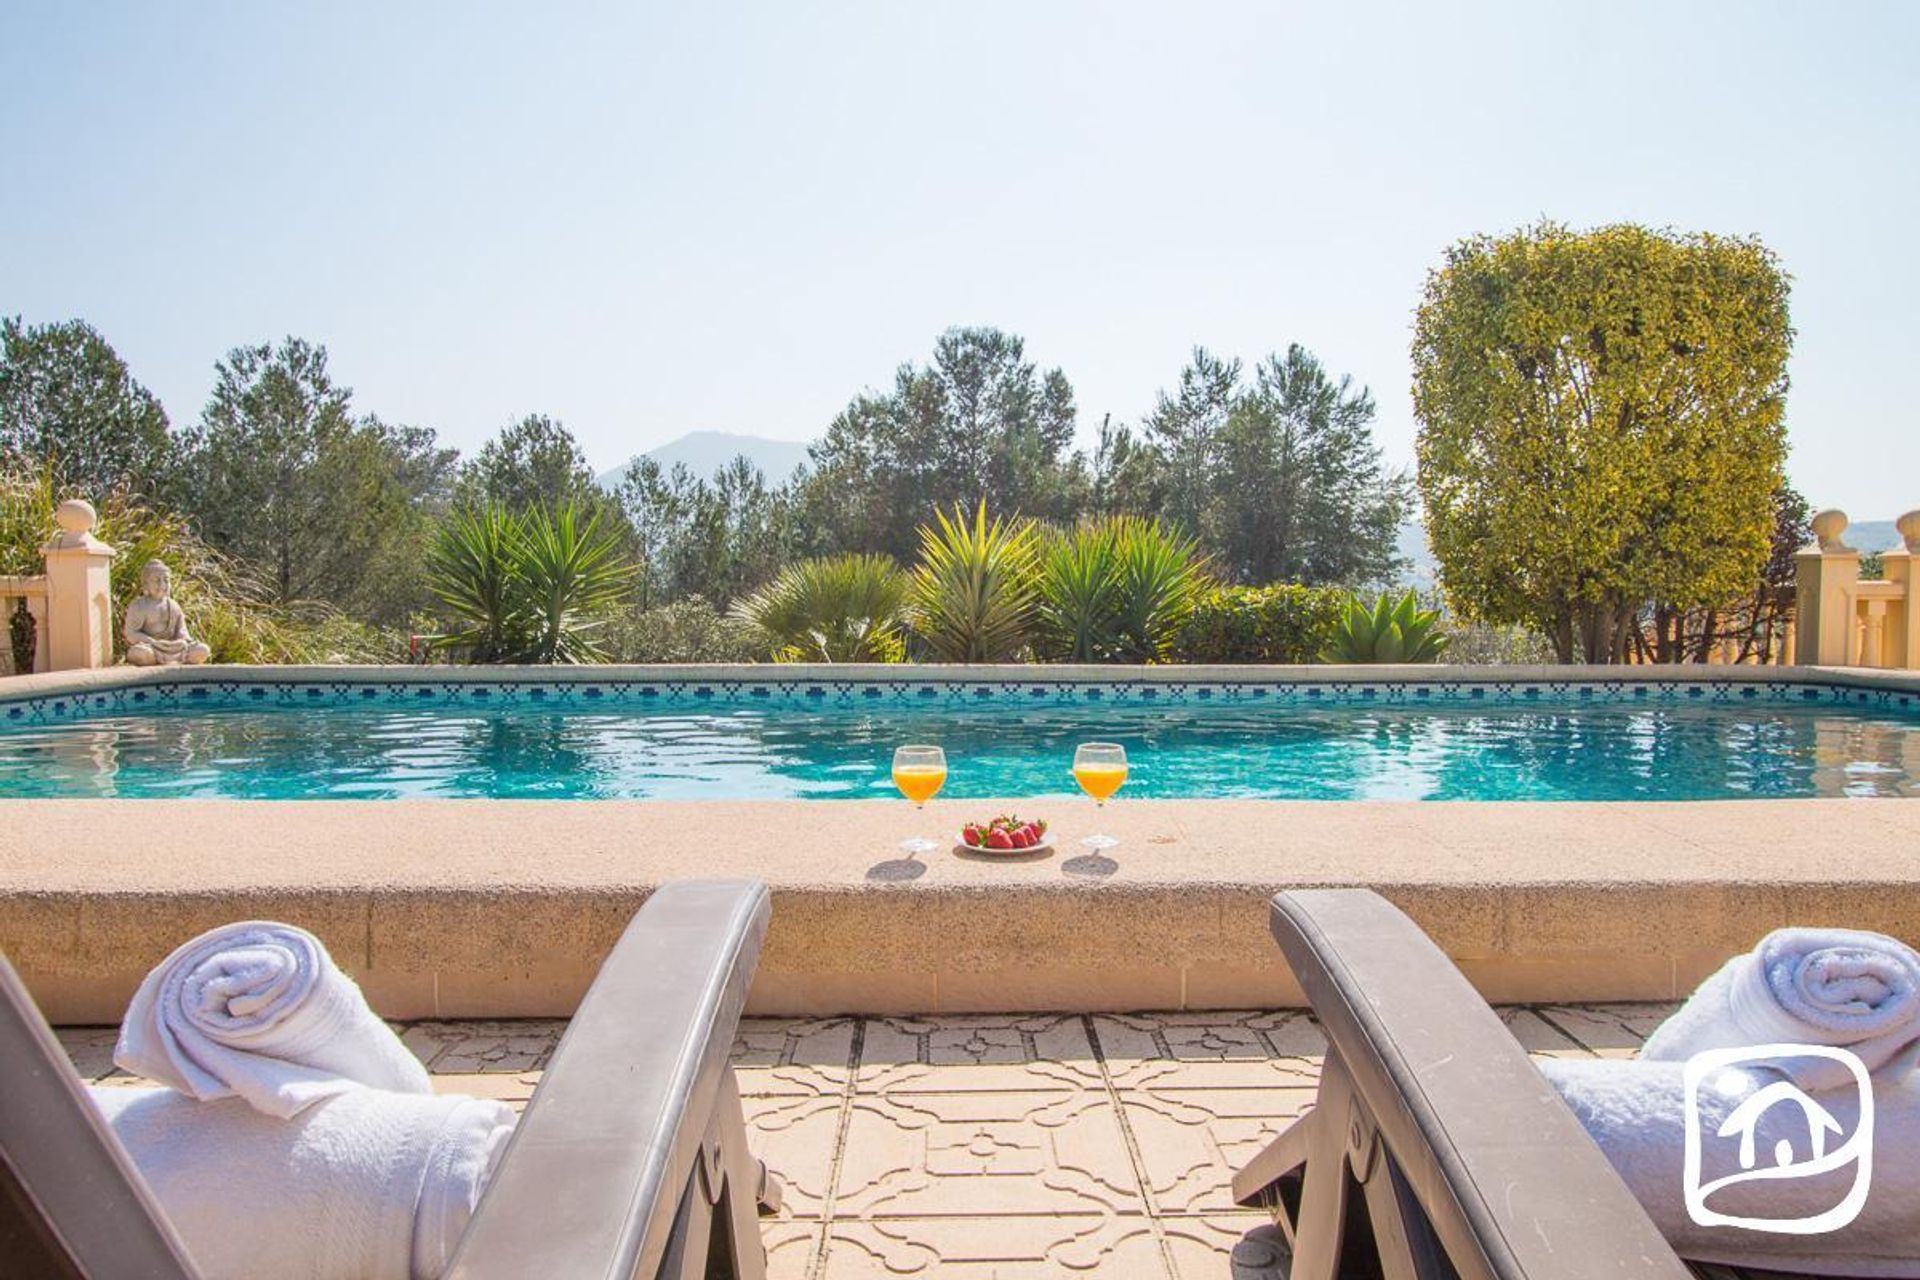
630 1161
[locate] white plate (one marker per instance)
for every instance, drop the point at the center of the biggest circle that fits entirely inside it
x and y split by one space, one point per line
1045 846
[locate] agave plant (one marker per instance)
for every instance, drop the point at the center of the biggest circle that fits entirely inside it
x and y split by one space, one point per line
974 591
839 609
1393 630
527 588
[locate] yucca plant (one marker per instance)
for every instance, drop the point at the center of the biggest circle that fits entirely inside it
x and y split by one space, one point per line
839 609
974 591
1393 630
473 568
527 588
1079 591
1159 574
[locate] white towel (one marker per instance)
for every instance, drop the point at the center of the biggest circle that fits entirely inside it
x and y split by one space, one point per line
1634 1111
365 1185
1840 987
259 1010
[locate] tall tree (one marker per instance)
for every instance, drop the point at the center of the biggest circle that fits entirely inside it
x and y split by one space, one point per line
1601 425
67 403
1303 494
1186 427
533 462
280 473
978 422
718 539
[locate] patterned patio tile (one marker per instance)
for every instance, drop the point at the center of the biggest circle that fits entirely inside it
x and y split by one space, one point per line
91 1049
809 1056
985 1154
1238 1247
1005 1052
792 1248
484 1046
1610 1030
797 1135
1191 1141
1027 1247
1206 1050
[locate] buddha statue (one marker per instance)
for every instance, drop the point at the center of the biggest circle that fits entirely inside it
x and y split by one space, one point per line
156 629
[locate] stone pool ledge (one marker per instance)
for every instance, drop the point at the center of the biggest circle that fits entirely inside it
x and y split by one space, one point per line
482 908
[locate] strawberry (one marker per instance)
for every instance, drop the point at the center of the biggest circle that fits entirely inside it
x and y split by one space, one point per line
1020 838
998 839
972 834
1033 833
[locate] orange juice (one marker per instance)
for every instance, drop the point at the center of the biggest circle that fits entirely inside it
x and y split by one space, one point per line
1100 780
919 782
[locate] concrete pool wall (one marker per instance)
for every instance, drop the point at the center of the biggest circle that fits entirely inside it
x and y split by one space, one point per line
493 908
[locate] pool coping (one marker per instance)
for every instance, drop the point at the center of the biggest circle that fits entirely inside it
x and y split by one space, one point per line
503 908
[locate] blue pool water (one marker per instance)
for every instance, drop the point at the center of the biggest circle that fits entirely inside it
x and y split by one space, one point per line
1504 744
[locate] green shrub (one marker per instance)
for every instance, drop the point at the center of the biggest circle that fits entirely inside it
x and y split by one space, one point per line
689 630
1115 590
976 587
1280 623
839 609
533 587
1395 629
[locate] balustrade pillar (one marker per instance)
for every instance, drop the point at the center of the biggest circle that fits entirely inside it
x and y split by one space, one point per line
1826 575
79 617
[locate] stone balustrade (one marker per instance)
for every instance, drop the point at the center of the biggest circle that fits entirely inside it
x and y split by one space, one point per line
69 607
1842 621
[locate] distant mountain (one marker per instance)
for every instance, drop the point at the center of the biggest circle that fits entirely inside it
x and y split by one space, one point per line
705 452
1871 535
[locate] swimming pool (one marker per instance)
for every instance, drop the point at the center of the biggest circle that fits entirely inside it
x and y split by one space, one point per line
588 737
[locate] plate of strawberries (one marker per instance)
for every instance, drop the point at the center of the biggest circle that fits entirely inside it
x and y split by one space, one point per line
1005 834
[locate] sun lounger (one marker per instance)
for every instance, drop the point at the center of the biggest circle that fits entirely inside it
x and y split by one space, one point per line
1435 1148
631 1159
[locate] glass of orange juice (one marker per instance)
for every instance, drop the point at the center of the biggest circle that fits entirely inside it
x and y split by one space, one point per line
919 771
1101 769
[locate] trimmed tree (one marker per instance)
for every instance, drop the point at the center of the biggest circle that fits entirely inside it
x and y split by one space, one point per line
1600 425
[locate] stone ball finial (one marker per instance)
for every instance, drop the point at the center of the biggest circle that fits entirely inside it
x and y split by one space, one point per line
1828 525
1909 527
76 515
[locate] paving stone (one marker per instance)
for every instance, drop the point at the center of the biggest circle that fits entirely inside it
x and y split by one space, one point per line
91 1049
1604 1027
792 1248
512 1087
1006 1053
1537 1035
797 1136
1192 1141
807 1056
1029 1247
1201 1051
484 1045
1230 1247
985 1154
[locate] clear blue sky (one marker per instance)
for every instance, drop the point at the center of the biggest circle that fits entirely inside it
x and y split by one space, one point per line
652 219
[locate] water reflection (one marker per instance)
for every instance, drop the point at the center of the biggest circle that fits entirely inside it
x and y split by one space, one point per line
1335 753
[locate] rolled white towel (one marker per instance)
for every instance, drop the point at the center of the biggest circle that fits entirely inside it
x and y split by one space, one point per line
1635 1110
366 1185
1844 987
259 1010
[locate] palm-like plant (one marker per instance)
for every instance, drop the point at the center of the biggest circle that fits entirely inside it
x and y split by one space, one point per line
839 609
472 567
1395 629
527 588
974 590
1117 590
571 576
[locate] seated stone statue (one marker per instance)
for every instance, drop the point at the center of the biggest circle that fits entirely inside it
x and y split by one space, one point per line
156 629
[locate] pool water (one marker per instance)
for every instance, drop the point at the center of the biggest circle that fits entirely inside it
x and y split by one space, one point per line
684 750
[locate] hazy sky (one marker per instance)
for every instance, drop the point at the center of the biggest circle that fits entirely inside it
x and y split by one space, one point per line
652 219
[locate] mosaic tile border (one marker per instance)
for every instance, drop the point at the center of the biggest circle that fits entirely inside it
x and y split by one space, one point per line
588 695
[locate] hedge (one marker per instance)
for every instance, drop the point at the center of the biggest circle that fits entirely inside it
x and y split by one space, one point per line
1280 623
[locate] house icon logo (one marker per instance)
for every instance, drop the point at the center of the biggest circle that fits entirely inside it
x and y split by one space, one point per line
1807 1140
